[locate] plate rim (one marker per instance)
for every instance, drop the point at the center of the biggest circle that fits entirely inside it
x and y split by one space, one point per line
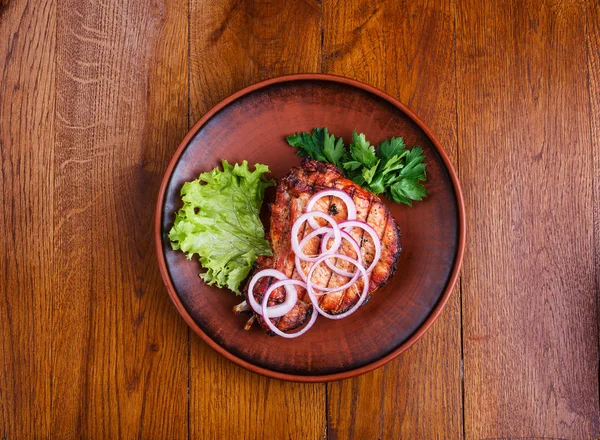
433 315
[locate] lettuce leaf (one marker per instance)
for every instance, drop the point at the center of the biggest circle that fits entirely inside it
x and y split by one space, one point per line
219 222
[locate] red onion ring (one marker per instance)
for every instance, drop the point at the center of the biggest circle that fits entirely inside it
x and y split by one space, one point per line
350 205
369 230
299 268
313 234
319 231
286 306
350 239
334 289
354 275
291 296
328 234
264 309
313 296
337 232
337 236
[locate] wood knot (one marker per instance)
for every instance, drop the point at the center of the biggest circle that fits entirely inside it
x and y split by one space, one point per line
132 383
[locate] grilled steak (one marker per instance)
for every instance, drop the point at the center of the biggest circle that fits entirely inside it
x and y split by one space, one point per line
293 193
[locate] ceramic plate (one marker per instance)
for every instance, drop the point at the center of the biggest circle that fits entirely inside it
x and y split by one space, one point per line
252 125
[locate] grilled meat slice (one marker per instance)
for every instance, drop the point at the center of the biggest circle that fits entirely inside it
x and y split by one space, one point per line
293 193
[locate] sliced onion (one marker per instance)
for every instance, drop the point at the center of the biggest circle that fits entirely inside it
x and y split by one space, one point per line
265 310
350 205
350 239
349 224
337 237
291 295
352 275
313 295
313 234
335 231
279 310
299 268
324 251
325 289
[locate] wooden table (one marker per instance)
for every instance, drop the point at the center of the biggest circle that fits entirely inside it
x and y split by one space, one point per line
96 95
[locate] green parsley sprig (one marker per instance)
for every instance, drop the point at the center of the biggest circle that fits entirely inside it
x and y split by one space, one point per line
391 168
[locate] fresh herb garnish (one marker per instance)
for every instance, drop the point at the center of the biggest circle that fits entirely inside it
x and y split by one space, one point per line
391 168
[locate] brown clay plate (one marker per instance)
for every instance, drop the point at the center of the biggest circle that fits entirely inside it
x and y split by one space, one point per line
252 125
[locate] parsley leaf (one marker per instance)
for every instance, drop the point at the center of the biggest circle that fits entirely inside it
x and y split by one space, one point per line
394 164
406 190
309 144
414 168
377 185
390 148
391 168
352 165
362 151
369 173
333 149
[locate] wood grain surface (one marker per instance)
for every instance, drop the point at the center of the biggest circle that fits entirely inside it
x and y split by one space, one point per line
593 52
234 44
119 352
386 44
530 319
27 91
96 95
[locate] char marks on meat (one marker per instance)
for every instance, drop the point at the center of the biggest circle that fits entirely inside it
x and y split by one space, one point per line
293 193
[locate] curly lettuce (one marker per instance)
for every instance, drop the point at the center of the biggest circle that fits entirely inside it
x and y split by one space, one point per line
219 222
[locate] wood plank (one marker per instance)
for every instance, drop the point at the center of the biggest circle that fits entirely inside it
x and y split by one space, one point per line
593 46
530 315
235 44
120 360
406 49
27 80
